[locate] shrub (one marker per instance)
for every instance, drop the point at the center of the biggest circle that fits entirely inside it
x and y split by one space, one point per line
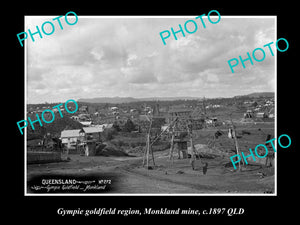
108 134
129 126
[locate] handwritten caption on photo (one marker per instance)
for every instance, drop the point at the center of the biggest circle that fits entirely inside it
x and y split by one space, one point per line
71 185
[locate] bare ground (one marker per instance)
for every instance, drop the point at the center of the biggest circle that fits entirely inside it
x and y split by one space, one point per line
166 177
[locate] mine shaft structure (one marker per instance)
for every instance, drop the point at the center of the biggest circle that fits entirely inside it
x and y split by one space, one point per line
181 132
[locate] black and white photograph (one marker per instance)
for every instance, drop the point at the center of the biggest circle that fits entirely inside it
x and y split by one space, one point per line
127 111
151 105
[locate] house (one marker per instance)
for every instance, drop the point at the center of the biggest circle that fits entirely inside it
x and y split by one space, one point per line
211 121
56 110
261 115
83 109
108 125
104 126
84 116
86 123
248 114
144 122
147 110
100 127
114 108
93 133
75 118
70 138
272 113
178 112
133 110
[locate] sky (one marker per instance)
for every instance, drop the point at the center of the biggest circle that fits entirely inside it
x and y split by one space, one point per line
125 57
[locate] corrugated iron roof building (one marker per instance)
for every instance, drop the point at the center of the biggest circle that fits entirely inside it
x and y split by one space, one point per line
72 137
93 132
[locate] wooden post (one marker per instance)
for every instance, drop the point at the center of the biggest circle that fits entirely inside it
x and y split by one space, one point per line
236 145
151 150
193 151
172 145
148 148
145 157
193 155
147 154
237 148
174 124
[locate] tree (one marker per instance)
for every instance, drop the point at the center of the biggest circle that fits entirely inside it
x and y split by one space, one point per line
254 104
129 126
116 126
108 134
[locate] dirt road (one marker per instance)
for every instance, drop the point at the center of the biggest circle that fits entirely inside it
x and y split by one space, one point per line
166 177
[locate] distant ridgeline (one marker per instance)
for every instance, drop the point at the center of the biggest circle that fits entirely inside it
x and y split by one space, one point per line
258 95
121 100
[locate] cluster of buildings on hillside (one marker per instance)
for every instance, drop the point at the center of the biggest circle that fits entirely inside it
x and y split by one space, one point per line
92 131
215 106
95 120
264 108
40 109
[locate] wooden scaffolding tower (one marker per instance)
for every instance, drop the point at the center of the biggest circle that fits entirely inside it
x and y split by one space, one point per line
178 125
187 127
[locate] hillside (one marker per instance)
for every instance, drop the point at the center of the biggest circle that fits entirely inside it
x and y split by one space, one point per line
258 94
120 100
55 128
114 100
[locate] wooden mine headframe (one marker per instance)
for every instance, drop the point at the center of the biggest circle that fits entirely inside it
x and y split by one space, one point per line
180 124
